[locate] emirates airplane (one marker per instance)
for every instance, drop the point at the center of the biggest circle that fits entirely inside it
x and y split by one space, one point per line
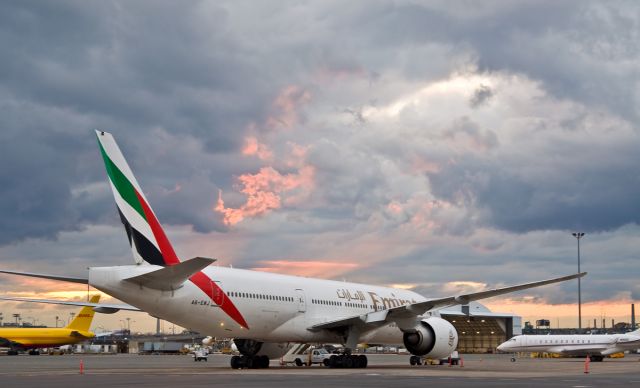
263 312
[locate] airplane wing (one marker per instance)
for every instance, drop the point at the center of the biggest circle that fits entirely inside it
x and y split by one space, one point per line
8 343
104 308
77 334
377 318
578 350
45 276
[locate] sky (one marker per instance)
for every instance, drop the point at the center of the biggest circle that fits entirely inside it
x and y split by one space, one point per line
441 146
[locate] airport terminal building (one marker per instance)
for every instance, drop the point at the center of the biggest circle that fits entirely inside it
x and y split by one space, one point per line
479 329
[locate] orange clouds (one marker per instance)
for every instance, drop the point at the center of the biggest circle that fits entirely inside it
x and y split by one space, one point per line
265 191
253 148
268 189
322 269
565 315
285 107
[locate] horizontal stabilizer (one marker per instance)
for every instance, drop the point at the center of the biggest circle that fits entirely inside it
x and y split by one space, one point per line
77 334
103 308
171 277
45 276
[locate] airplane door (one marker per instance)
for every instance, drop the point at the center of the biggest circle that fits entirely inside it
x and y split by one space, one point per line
217 293
300 299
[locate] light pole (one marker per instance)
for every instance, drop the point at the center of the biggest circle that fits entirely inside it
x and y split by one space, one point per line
578 236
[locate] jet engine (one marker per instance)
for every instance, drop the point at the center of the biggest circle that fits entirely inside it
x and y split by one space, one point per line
273 350
433 337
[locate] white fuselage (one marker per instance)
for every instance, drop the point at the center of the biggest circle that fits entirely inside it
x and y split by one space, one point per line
276 308
575 344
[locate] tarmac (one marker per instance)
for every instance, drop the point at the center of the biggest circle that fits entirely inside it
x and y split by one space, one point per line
384 371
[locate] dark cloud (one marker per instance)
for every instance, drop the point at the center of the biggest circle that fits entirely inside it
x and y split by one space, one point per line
481 96
444 138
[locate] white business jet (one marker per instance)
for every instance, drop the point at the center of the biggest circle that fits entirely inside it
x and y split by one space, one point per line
263 312
596 346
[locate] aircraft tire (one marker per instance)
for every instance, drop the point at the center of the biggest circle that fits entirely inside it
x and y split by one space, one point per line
364 361
264 361
236 362
348 361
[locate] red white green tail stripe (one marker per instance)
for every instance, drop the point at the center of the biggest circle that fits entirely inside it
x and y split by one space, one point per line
146 237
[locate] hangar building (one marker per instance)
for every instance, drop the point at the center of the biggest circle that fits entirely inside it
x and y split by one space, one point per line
479 329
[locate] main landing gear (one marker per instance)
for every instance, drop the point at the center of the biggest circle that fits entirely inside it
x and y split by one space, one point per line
347 361
249 362
249 359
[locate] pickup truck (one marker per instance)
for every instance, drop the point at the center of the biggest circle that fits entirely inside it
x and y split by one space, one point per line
309 357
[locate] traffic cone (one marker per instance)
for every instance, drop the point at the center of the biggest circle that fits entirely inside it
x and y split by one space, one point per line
461 362
81 367
449 361
586 364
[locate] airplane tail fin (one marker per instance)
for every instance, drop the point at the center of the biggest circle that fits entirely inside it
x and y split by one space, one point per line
82 321
146 237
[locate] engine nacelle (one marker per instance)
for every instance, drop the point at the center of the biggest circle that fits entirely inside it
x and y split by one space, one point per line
433 337
273 350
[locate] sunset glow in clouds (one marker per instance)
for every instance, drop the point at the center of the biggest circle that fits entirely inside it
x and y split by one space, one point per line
264 192
442 156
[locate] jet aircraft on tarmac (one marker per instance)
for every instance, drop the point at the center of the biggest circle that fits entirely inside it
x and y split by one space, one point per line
596 346
263 312
34 338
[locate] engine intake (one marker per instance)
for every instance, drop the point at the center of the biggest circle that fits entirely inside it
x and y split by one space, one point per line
433 337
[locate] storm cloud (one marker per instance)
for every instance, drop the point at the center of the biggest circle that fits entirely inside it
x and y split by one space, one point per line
394 142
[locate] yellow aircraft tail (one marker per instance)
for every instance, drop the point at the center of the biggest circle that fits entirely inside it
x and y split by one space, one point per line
82 321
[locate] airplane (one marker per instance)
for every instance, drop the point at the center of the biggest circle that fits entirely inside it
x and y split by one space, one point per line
264 312
34 338
595 346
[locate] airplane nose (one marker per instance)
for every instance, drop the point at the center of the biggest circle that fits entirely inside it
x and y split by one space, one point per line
500 347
